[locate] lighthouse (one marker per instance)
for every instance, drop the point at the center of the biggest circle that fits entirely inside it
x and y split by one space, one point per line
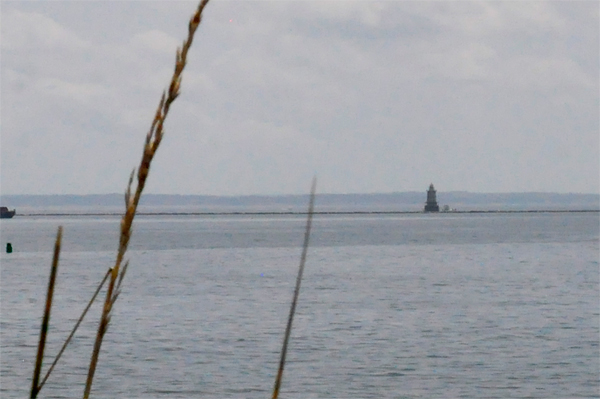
431 205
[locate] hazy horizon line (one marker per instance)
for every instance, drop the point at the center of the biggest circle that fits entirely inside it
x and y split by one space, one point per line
304 194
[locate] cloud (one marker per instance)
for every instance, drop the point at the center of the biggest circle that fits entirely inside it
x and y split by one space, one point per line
34 31
156 41
372 96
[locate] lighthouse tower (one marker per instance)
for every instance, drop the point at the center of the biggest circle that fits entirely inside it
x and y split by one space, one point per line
431 205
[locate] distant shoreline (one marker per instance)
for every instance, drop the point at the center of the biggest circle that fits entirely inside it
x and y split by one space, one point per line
399 203
294 213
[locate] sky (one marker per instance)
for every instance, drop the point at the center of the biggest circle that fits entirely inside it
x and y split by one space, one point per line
371 97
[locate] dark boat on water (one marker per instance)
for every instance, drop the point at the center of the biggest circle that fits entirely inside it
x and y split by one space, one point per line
5 213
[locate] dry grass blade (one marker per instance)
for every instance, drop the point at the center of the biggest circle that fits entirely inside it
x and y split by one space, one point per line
288 329
60 352
35 388
153 139
121 276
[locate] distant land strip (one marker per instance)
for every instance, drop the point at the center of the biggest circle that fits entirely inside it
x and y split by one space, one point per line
454 199
284 213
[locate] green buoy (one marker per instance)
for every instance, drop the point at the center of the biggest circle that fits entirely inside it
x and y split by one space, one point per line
8 248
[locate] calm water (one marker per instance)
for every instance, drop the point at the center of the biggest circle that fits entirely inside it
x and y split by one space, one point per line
417 306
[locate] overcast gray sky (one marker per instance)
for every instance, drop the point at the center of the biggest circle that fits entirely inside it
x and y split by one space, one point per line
369 96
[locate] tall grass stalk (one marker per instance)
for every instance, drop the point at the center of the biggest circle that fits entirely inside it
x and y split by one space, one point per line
288 329
35 388
153 140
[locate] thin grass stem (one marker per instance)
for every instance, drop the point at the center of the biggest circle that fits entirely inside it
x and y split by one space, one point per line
89 305
288 328
35 388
